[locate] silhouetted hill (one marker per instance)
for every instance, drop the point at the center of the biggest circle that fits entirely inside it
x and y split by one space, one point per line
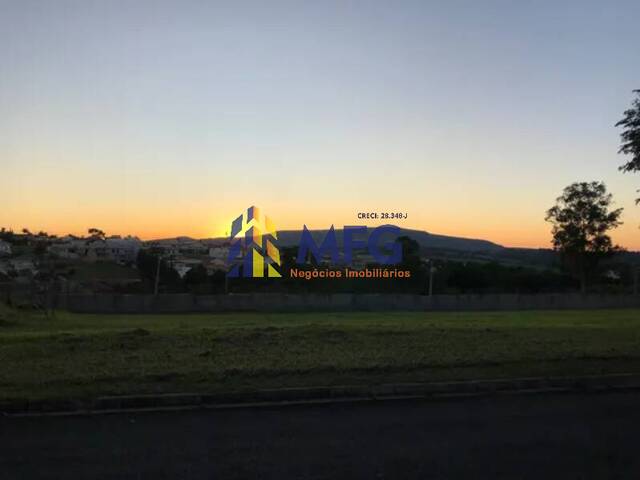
448 248
425 239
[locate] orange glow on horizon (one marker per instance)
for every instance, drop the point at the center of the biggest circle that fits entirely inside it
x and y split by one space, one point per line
196 226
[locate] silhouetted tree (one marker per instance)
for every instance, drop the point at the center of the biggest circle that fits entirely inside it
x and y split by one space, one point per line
147 263
581 219
7 235
96 234
196 276
630 136
410 252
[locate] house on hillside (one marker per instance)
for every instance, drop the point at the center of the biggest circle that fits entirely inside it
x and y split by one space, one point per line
5 248
68 247
219 253
20 268
117 249
178 246
114 249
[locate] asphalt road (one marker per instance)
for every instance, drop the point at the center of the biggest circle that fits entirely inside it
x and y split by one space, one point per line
564 436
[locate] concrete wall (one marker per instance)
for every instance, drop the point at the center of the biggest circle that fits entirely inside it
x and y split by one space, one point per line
175 303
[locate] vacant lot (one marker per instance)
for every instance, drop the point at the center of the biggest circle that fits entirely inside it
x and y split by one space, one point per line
87 355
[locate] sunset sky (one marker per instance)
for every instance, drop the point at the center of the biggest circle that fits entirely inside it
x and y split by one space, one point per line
170 118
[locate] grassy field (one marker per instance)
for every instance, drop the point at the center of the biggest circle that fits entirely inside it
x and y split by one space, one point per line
87 355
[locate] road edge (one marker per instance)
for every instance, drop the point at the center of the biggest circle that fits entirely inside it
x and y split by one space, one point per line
321 395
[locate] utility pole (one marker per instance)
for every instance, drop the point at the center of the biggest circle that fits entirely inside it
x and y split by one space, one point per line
636 274
155 289
431 270
226 277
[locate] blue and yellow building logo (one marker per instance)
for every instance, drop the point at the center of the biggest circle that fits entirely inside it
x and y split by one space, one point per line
253 252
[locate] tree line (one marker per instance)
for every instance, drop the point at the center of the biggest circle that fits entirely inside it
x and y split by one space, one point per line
583 214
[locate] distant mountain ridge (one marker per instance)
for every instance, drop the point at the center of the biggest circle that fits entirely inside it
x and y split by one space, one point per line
288 238
432 245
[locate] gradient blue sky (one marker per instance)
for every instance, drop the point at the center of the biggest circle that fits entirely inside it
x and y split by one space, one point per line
166 118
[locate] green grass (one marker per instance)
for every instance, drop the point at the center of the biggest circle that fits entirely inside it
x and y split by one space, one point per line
87 355
85 271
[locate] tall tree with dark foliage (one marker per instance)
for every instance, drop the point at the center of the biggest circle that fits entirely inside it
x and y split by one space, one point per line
581 219
630 137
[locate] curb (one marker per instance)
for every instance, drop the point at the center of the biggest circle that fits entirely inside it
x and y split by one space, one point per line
317 395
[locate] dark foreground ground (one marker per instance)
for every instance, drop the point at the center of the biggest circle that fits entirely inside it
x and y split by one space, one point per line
564 436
